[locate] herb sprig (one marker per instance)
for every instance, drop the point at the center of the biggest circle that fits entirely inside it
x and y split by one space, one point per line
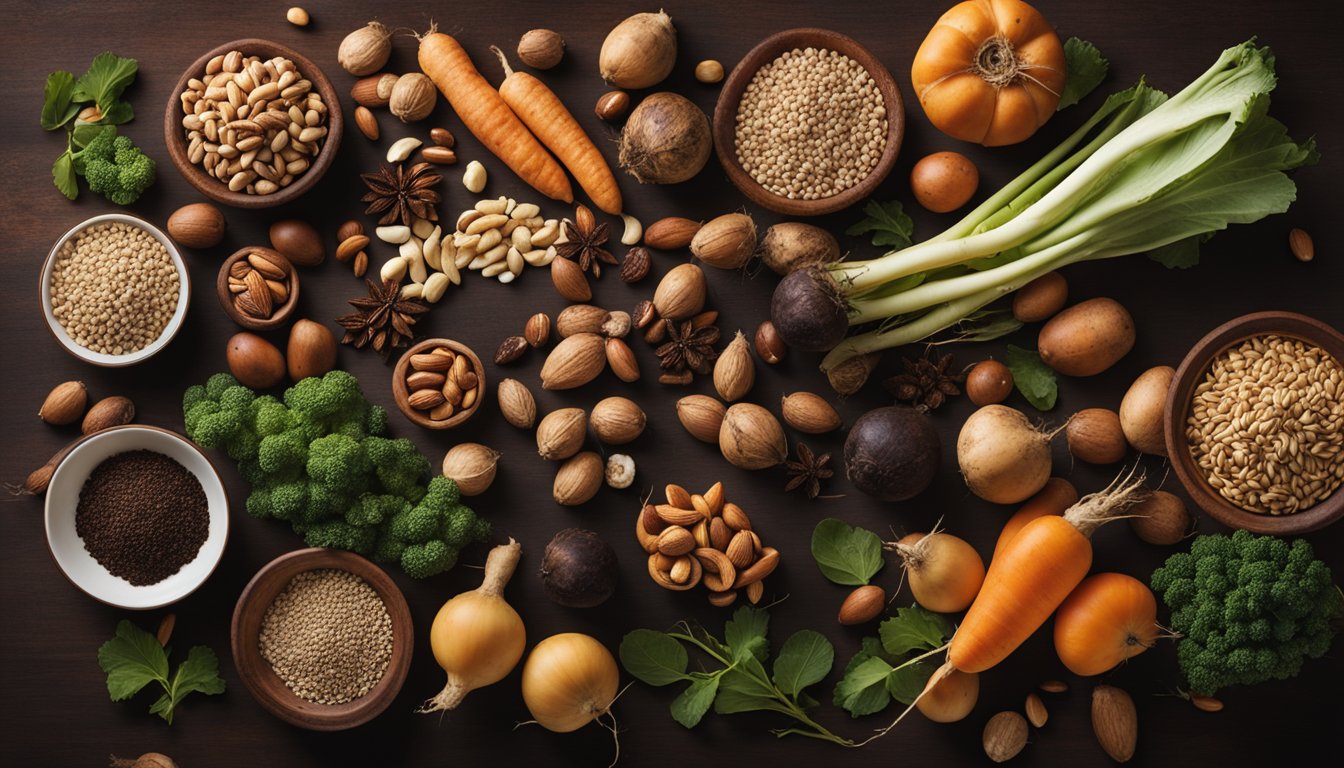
134 659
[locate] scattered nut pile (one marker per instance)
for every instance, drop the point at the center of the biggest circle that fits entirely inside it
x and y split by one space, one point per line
113 288
561 435
500 237
592 339
442 383
259 283
1267 425
696 538
255 125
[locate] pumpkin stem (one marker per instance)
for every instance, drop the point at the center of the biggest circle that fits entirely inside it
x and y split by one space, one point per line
996 62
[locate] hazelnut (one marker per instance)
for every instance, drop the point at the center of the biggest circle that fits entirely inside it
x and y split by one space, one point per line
541 48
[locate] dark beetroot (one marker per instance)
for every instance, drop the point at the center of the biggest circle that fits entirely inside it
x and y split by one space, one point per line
892 453
808 311
578 569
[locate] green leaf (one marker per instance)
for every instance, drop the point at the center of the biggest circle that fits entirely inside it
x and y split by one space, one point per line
108 76
845 554
85 132
1085 69
653 657
198 674
888 222
1033 378
913 629
905 684
804 660
63 175
694 702
118 112
132 660
745 633
742 692
1182 254
863 689
57 110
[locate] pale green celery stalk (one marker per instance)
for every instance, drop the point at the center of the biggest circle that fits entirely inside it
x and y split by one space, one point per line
1229 88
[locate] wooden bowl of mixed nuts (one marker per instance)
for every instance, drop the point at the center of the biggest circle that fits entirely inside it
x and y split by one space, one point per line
322 639
258 288
831 149
253 124
1254 423
438 383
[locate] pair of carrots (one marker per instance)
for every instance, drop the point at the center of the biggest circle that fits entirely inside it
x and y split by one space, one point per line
510 121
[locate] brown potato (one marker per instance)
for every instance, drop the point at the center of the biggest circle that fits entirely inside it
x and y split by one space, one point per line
944 181
1041 298
1141 410
1087 338
1095 436
254 361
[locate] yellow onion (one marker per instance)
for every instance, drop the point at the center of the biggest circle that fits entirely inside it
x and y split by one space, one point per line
569 680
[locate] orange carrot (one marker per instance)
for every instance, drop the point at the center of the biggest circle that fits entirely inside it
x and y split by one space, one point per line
545 115
488 118
1057 496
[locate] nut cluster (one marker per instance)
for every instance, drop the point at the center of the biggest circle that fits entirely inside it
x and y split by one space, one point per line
113 288
1267 425
255 125
442 383
811 124
328 636
259 283
500 237
694 539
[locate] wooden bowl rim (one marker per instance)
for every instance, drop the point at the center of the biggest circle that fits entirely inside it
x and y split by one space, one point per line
725 118
216 190
1176 410
261 680
402 395
279 315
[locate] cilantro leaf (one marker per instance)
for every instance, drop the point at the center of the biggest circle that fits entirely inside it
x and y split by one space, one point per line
690 707
913 629
1182 254
845 554
57 109
1033 378
863 689
132 660
745 634
653 657
742 692
198 674
63 175
889 223
804 660
108 76
1084 68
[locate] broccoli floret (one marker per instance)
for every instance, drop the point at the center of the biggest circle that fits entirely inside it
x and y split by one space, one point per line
194 394
117 170
1248 608
339 463
421 561
289 500
259 503
399 465
388 549
333 399
339 534
375 422
284 452
373 509
215 385
243 446
211 425
415 525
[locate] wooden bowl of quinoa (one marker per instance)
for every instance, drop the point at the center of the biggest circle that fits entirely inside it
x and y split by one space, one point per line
322 639
1229 415
766 144
114 290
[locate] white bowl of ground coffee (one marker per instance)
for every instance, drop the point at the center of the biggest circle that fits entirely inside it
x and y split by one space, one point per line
136 517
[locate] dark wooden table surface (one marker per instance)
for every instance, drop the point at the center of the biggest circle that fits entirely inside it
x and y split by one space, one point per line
55 710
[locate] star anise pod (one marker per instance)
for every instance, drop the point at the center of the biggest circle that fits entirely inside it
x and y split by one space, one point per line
585 238
925 384
402 195
688 348
384 320
807 471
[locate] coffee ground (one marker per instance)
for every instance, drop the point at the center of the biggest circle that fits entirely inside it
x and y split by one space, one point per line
142 516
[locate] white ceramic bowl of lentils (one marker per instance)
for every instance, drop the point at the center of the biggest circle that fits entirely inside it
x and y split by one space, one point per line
114 290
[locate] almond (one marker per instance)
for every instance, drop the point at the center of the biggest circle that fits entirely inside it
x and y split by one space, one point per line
764 566
537 331
574 362
617 420
1036 712
680 294
580 318
676 515
432 361
350 246
425 379
722 599
612 105
578 479
1299 242
1206 703
367 123
755 591
702 416
735 517
425 399
510 350
650 522
1054 686
1115 722
726 242
675 541
671 233
349 229
809 413
1096 437
570 281
373 91
516 403
64 404
1005 735
720 535
108 412
740 550
734 371
622 360
861 606
560 434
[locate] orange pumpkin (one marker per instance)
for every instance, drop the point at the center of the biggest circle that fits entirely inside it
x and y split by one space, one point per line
990 71
1108 618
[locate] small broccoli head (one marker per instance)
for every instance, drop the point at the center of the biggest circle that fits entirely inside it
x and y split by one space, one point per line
415 525
388 549
333 398
421 561
373 509
121 175
215 385
194 394
285 452
339 463
338 534
399 465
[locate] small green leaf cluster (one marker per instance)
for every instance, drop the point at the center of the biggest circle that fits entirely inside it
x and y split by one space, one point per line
845 554
1247 608
1085 68
133 659
318 460
892 665
1032 377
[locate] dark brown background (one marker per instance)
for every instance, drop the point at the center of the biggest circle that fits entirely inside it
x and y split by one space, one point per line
55 709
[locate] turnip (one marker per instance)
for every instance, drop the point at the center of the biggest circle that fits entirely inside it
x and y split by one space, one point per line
945 572
1003 457
809 310
891 453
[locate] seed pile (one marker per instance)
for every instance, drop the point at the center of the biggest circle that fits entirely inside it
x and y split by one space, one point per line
1267 425
328 636
113 288
811 124
142 516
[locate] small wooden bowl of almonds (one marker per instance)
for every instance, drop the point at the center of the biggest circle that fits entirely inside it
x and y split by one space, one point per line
258 288
438 383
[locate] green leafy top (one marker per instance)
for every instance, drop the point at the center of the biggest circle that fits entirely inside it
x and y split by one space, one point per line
845 554
1085 69
133 659
102 85
895 666
1033 378
890 224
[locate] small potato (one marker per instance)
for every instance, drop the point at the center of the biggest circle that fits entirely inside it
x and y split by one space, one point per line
1041 298
793 245
944 181
1087 338
1142 408
1095 436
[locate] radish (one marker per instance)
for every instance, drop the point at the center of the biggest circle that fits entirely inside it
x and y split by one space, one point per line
1004 458
945 572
